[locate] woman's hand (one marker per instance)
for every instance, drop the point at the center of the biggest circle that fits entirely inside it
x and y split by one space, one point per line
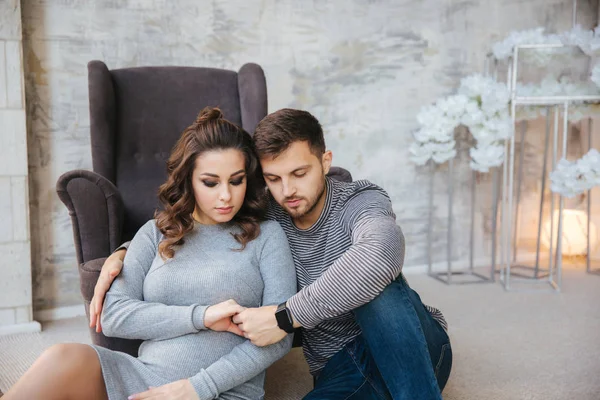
178 390
218 317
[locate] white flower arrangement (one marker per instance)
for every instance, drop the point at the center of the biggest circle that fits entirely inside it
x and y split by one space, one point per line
481 105
549 86
571 178
587 40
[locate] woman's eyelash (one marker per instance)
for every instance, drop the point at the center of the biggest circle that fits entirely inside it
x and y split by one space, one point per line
210 184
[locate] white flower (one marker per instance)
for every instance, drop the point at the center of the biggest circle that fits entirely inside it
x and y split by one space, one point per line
572 178
486 156
504 49
482 106
442 157
473 115
453 106
420 153
579 37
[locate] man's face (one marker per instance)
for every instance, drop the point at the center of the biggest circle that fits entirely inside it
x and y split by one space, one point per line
296 179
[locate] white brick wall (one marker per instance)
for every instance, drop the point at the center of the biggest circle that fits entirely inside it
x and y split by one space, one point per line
15 245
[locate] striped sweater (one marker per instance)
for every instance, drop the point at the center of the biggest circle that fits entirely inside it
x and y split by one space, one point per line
353 251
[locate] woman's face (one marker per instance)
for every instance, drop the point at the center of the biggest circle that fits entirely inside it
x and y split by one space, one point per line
219 183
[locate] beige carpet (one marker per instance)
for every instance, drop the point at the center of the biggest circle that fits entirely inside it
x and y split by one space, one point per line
507 346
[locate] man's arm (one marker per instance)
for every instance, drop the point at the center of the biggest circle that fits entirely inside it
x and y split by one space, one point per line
372 262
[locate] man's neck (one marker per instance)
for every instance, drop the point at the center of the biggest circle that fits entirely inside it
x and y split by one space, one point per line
309 219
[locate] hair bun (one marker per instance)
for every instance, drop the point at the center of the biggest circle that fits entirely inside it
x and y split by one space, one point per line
209 114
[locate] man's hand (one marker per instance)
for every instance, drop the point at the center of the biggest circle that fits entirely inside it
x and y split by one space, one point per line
178 390
260 326
218 317
111 268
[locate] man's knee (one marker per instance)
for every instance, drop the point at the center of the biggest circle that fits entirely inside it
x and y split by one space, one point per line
391 299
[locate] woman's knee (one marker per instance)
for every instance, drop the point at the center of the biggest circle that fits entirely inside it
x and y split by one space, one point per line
69 355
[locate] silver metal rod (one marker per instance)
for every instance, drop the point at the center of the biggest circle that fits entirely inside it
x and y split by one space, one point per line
541 210
495 183
511 172
472 236
589 204
508 210
513 84
574 13
540 46
450 204
523 126
562 201
552 196
430 225
555 100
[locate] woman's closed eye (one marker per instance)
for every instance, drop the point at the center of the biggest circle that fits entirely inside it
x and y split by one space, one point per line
210 184
235 182
238 181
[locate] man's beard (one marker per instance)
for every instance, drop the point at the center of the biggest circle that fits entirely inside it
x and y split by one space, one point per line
311 203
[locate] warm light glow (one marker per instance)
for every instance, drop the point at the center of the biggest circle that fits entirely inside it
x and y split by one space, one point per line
574 233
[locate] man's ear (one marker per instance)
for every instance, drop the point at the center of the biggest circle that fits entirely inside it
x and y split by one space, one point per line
326 161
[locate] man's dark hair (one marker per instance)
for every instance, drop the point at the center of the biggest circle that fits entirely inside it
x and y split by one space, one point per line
278 130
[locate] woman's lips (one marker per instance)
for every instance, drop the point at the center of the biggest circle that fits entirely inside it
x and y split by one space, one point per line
224 210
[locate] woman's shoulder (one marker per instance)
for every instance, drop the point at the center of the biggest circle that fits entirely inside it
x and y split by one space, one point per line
271 232
151 230
270 228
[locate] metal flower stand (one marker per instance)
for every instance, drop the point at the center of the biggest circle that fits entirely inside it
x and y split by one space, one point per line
588 259
475 271
536 268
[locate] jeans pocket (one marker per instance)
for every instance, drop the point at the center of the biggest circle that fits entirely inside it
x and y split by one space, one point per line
443 366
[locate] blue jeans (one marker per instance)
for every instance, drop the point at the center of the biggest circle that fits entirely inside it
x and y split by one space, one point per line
403 353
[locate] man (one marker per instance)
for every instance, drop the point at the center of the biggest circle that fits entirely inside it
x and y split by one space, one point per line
366 334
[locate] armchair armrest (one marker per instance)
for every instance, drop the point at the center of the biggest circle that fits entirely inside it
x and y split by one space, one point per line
96 209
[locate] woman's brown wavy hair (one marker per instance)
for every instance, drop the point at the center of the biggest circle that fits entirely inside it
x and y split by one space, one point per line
209 132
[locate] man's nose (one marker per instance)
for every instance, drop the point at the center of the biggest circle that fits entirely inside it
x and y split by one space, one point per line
288 189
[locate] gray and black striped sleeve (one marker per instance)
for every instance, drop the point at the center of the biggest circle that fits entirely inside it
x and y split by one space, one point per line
372 262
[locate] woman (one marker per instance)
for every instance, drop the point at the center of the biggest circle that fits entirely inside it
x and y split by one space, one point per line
205 257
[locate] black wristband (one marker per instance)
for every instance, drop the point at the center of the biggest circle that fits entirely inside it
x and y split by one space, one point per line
284 318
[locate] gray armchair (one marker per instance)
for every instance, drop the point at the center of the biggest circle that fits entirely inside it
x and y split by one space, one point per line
136 116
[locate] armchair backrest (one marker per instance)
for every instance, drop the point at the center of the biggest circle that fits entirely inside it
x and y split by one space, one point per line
137 115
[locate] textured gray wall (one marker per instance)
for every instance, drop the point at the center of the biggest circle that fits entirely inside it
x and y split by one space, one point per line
364 68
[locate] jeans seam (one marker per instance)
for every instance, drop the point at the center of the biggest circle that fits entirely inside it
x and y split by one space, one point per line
357 389
367 379
442 356
423 341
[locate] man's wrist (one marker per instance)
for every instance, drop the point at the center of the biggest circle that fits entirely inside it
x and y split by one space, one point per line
295 323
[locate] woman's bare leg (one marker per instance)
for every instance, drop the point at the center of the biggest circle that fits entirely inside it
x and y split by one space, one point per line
63 372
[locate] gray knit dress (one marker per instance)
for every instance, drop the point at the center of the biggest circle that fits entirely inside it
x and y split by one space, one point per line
163 303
